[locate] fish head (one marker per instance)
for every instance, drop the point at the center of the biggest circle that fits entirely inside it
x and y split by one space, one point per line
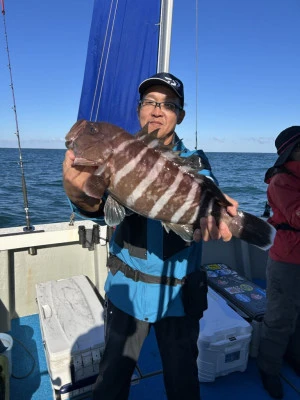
91 142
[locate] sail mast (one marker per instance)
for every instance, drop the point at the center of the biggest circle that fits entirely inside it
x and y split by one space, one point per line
165 32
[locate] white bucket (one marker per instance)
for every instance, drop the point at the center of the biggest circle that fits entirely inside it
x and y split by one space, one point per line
7 340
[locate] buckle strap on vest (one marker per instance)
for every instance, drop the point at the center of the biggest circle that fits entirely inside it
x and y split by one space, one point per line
136 275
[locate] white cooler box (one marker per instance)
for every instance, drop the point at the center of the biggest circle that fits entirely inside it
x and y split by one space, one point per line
223 341
72 325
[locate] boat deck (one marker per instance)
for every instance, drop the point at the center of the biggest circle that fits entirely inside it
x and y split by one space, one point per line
30 378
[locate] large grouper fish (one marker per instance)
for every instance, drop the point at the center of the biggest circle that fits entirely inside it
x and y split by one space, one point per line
139 173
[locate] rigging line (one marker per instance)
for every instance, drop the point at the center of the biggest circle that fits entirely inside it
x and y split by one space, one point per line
106 60
101 60
25 198
196 102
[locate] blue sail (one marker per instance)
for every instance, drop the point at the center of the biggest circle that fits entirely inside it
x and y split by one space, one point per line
122 51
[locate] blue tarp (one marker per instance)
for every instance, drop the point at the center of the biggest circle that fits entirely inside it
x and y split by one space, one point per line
122 51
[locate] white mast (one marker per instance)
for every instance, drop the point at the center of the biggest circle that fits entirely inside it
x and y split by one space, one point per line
165 32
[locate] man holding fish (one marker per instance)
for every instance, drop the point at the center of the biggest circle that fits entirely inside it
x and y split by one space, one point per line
154 278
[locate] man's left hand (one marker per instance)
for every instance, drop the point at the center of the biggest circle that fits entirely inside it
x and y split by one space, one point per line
208 227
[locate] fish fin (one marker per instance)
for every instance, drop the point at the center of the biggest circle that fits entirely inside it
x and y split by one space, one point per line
184 231
253 230
150 139
194 162
143 132
114 212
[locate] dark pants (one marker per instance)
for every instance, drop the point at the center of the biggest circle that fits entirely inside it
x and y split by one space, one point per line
281 325
177 341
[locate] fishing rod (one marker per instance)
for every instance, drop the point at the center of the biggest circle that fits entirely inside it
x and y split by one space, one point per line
28 227
197 75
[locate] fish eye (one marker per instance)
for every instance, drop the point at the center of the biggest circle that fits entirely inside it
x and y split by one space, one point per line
93 130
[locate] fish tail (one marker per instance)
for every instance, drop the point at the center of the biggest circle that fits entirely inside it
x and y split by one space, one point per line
252 229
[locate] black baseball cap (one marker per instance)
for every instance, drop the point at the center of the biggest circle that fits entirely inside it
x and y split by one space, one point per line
165 79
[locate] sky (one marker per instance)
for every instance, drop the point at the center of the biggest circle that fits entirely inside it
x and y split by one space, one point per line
241 63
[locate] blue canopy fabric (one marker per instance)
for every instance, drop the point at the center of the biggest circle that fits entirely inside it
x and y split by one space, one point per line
122 52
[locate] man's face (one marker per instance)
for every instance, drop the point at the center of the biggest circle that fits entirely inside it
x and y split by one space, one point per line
159 117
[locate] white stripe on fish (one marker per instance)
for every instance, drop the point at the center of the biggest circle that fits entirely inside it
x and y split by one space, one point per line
160 204
141 188
129 166
120 149
188 203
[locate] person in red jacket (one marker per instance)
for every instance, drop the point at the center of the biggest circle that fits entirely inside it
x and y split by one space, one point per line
281 325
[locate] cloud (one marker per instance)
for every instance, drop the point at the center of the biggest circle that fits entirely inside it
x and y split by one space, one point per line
260 140
218 139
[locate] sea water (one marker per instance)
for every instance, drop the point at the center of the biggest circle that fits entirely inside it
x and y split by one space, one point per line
240 175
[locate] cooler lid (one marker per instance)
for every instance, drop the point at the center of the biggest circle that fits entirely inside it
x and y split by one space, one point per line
71 315
220 321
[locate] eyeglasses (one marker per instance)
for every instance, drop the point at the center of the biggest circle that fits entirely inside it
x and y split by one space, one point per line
164 105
